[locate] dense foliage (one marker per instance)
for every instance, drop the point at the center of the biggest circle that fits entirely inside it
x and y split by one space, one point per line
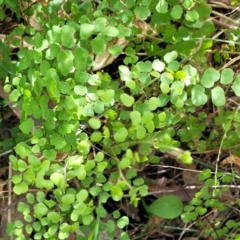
105 89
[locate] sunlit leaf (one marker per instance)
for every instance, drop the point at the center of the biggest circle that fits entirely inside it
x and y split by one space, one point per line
57 141
20 188
27 126
94 123
209 77
198 95
158 65
98 45
67 36
162 6
135 117
168 57
121 135
86 30
58 179
226 76
99 24
192 16
218 96
142 12
127 100
110 31
176 12
153 103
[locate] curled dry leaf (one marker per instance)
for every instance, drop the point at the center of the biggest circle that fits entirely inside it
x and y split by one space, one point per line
230 160
106 58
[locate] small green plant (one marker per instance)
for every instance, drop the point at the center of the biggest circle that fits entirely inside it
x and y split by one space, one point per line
207 198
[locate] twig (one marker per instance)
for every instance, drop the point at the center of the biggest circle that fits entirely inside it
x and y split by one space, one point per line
230 62
10 192
225 25
225 17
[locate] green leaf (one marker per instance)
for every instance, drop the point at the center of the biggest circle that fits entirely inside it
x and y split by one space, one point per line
98 45
58 179
23 150
96 136
54 35
153 103
14 95
82 195
80 58
145 66
226 76
127 100
65 62
176 12
115 50
192 16
52 229
53 51
27 126
198 95
87 219
68 199
186 157
20 188
23 207
125 73
102 166
135 117
158 65
40 210
89 165
110 31
204 175
142 12
116 193
67 36
168 207
21 165
53 217
122 222
209 77
30 198
169 57
99 24
141 132
218 96
57 141
81 173
38 40
16 179
94 123
107 96
236 86
86 30
164 87
125 163
121 135
162 6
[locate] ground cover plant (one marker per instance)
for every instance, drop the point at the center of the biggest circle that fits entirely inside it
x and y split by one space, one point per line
119 119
